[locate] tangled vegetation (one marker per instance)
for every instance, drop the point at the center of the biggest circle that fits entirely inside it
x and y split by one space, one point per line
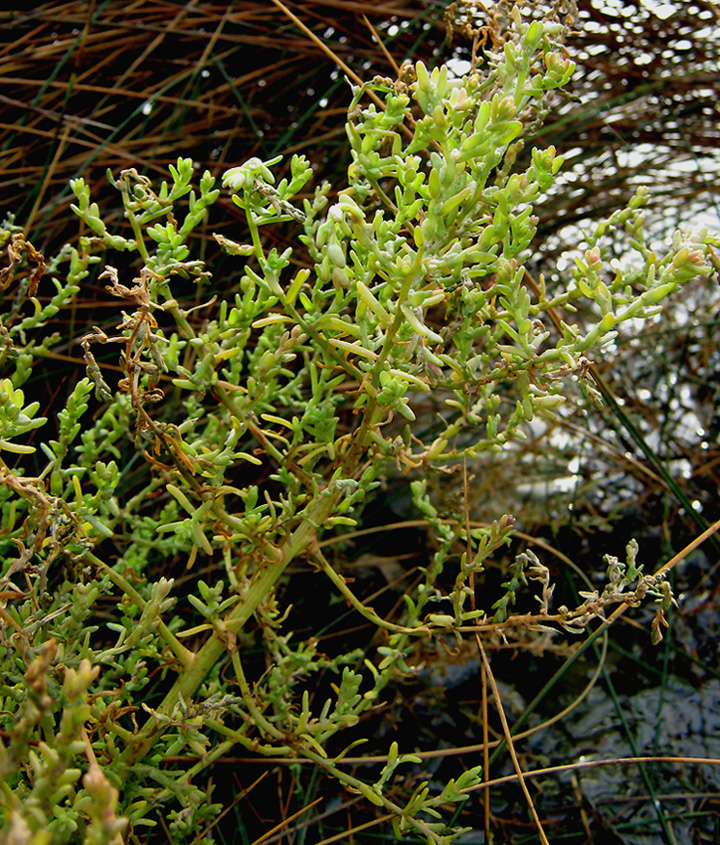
401 335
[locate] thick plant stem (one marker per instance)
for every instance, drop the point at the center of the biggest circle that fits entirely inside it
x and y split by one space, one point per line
265 579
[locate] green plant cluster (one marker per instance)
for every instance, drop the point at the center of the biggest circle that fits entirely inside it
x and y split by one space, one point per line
402 334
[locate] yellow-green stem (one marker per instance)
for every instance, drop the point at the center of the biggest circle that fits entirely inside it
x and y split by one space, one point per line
265 579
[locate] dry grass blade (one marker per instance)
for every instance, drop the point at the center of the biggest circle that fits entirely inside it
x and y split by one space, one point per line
221 83
594 764
215 82
510 743
239 797
273 830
